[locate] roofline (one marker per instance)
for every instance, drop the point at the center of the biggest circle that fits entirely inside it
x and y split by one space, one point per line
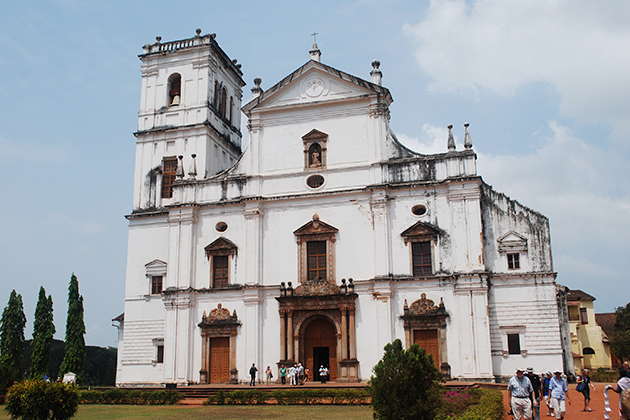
324 67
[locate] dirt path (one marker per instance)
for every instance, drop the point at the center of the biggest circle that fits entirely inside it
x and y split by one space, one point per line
574 410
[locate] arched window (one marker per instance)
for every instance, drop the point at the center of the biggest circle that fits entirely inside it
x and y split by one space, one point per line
222 108
588 350
231 108
174 89
216 94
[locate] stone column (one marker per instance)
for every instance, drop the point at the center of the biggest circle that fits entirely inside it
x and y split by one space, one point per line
344 334
283 335
353 337
289 336
204 359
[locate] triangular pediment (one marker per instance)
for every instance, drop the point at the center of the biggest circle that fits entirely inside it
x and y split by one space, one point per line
315 82
155 267
315 227
420 230
512 241
314 134
221 246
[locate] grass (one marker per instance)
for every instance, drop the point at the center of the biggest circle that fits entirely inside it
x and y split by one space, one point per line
315 412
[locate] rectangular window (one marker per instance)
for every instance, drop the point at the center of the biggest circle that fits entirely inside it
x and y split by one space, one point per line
156 285
159 357
169 168
514 262
316 260
421 259
583 316
514 344
220 271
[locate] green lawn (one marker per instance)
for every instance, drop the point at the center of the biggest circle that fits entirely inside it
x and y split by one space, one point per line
316 412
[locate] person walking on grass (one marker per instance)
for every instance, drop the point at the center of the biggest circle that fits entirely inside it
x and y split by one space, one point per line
586 388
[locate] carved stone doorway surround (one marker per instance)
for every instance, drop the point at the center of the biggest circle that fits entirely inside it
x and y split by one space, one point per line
319 299
423 316
219 323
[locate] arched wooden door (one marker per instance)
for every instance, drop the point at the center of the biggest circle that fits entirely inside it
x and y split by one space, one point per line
320 346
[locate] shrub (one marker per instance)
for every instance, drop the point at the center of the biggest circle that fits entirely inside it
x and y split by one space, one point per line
457 401
490 406
405 384
35 399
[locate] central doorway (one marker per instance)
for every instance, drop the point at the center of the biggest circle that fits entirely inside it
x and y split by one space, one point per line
219 360
320 345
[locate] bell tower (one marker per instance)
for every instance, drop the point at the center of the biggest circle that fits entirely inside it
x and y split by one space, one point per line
189 119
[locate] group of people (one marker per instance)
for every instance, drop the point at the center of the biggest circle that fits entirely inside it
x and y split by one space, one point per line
527 390
296 374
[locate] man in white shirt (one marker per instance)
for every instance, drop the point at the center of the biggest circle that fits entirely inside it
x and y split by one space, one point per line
522 395
558 393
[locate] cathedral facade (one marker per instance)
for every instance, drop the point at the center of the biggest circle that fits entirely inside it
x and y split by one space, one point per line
321 242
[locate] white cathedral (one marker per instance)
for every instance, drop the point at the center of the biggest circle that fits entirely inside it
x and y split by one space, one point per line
322 241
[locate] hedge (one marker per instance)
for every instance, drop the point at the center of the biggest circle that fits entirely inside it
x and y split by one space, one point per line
291 397
135 397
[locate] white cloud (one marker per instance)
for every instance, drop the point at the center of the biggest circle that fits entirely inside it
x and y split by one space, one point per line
579 47
432 140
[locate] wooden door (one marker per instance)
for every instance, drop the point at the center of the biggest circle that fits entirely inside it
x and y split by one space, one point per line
220 360
428 340
321 333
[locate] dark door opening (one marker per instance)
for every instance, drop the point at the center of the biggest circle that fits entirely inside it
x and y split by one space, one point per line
320 358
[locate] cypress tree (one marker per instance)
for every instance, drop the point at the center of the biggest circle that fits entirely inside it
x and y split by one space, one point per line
43 332
12 334
74 356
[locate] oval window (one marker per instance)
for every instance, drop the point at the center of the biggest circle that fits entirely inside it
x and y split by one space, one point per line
419 210
221 227
315 181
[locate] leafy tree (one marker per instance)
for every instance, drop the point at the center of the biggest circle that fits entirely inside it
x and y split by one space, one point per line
620 340
43 332
12 334
405 384
74 356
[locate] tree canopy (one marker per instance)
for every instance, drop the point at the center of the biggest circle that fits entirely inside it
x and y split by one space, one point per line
405 384
74 356
43 332
12 334
620 340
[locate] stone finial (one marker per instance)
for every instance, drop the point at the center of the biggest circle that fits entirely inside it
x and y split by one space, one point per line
315 53
158 39
376 73
192 171
451 140
256 90
179 173
198 31
467 140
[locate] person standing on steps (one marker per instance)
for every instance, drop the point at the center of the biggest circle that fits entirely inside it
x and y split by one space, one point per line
252 374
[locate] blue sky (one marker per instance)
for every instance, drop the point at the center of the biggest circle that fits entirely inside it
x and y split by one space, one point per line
542 83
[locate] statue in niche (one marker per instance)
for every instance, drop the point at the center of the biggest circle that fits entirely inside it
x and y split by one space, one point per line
315 156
